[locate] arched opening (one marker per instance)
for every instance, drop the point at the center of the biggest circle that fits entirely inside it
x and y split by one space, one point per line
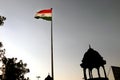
95 73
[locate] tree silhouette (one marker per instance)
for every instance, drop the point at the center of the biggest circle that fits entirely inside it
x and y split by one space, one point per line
2 19
11 69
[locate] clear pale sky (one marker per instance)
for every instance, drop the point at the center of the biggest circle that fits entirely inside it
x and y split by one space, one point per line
77 23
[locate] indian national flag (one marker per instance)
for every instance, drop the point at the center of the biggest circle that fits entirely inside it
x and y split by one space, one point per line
45 14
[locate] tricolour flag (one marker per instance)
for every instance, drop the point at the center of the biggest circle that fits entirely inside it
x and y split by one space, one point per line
45 14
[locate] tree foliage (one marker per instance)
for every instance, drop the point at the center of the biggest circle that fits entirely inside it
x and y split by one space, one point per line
2 19
11 68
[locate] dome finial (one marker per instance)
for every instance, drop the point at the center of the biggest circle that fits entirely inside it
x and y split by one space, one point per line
89 46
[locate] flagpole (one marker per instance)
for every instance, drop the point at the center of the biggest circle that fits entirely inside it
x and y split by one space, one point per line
42 14
52 67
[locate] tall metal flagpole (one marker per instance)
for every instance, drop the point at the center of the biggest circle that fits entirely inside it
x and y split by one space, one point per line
52 69
39 15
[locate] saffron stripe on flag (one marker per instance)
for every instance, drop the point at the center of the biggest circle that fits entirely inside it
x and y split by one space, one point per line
46 11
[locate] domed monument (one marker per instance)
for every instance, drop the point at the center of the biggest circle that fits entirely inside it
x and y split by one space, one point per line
92 59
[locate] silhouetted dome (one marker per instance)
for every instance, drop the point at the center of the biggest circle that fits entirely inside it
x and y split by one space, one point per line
92 59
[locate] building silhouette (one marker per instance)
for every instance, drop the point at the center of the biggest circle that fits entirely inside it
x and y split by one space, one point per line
48 77
92 59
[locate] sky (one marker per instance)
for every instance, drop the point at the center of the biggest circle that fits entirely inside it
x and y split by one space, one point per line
76 24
